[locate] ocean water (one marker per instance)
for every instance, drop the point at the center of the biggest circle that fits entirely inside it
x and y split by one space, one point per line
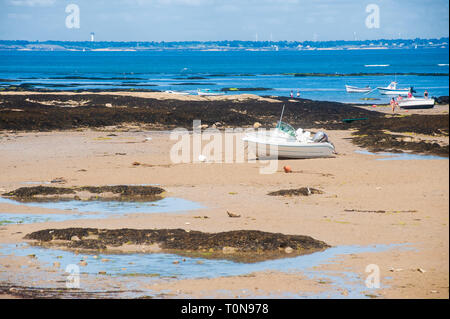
190 70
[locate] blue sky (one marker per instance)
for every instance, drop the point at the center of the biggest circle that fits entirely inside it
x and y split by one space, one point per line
202 20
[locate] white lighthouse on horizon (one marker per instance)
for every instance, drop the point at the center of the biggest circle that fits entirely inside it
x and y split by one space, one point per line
92 36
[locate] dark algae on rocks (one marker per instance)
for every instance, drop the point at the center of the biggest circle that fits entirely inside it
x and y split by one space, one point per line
45 112
393 134
302 191
116 192
239 245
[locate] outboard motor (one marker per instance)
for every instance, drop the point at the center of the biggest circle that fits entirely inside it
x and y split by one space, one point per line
320 137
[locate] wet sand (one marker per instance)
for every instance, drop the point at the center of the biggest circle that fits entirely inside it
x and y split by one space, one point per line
413 194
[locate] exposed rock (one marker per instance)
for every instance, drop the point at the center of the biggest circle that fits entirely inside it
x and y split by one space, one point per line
288 250
233 215
229 250
303 191
58 180
119 192
250 245
421 270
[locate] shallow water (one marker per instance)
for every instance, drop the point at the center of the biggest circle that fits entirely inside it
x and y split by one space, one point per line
10 218
161 265
171 70
401 156
97 209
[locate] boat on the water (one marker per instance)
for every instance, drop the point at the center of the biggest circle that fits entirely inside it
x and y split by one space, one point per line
286 142
392 89
354 89
376 65
416 103
176 92
209 92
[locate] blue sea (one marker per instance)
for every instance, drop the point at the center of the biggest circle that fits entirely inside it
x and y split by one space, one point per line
191 70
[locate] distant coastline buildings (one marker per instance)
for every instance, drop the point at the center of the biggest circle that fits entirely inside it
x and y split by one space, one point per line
233 45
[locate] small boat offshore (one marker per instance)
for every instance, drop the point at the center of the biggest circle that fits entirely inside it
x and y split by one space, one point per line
354 89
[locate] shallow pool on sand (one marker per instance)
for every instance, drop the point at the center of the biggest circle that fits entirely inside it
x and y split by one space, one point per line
148 267
401 156
76 209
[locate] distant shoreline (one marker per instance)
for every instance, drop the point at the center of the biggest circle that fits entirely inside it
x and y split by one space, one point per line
48 48
226 45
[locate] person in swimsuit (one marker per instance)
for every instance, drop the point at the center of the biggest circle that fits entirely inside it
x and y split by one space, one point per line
393 104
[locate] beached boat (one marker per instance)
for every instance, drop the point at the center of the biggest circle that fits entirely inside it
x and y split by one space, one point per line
286 142
354 89
416 103
392 89
209 92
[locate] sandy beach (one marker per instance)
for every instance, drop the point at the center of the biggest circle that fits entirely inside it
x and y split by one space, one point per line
402 204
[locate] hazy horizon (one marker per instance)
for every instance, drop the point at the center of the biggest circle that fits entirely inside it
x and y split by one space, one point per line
219 20
229 40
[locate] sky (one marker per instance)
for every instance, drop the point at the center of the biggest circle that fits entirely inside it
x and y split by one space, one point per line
210 20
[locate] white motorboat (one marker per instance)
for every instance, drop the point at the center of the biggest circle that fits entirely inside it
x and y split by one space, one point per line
392 89
286 142
416 103
208 92
376 65
176 92
354 89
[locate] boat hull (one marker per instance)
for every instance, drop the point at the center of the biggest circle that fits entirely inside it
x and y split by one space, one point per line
210 94
416 103
354 89
176 92
402 92
290 150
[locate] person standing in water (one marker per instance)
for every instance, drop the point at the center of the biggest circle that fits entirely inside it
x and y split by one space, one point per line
425 94
292 93
393 105
298 94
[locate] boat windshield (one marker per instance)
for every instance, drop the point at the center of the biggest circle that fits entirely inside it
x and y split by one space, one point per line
392 85
286 128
